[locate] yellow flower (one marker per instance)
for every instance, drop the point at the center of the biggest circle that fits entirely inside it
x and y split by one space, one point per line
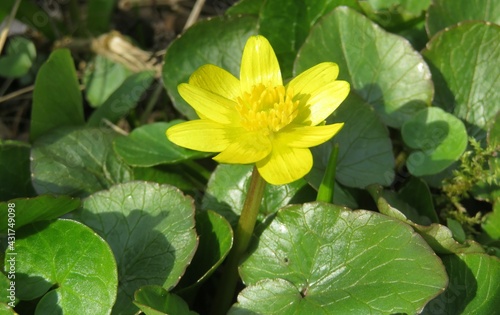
257 119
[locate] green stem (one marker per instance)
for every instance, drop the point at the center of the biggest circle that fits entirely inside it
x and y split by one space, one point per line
326 189
197 169
151 103
242 237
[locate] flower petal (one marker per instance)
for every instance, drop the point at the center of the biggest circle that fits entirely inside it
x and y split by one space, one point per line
202 135
208 104
319 93
307 136
249 147
285 165
259 64
216 80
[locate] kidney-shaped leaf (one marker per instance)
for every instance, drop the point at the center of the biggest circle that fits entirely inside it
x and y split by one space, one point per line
439 139
148 146
150 229
365 150
76 161
474 287
382 68
70 255
467 84
155 300
339 261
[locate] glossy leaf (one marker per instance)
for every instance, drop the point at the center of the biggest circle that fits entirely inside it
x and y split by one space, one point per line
395 14
123 99
15 170
201 44
57 100
150 229
82 261
473 288
227 187
438 140
101 78
365 150
215 241
382 68
76 161
155 300
465 84
148 146
445 13
320 258
29 210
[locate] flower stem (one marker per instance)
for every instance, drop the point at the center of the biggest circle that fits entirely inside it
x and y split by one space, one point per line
326 189
242 237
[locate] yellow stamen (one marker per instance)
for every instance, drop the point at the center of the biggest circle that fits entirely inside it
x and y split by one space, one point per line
267 108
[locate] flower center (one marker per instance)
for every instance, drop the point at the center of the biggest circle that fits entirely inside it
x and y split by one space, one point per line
267 108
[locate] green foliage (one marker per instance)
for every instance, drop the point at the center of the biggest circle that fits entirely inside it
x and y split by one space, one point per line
104 215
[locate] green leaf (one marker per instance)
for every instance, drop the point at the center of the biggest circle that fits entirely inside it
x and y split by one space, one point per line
245 7
382 68
444 13
465 84
227 188
365 149
70 256
473 288
215 241
123 99
101 78
148 146
57 100
76 161
201 44
438 236
174 175
416 192
321 258
395 14
150 229
99 15
19 57
15 173
155 300
439 139
30 210
491 223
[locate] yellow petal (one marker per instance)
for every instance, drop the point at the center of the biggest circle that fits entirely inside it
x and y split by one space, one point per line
259 64
216 80
307 136
285 165
202 135
209 105
319 93
249 147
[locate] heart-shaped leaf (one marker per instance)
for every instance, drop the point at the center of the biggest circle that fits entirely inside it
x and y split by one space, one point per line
39 208
15 170
57 100
148 146
444 13
215 241
465 84
150 229
227 190
123 99
365 150
439 139
473 288
155 300
382 68
321 258
205 43
70 256
76 161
